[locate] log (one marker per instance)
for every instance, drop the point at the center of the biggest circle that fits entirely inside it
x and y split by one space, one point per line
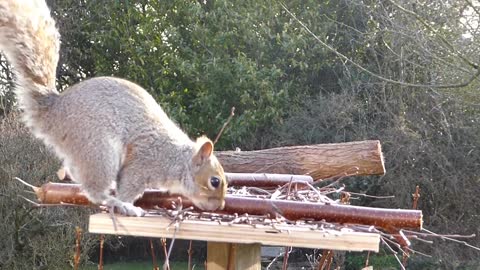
264 179
58 193
238 179
320 161
388 219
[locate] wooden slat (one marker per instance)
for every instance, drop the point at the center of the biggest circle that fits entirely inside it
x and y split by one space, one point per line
296 236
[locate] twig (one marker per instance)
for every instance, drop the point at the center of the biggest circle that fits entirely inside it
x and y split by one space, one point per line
367 260
345 198
100 260
416 196
435 31
419 253
259 190
26 184
430 234
164 245
321 197
414 237
453 240
399 262
281 254
325 259
285 257
393 252
111 211
371 196
166 265
330 260
36 204
378 76
397 245
154 258
287 249
179 215
76 259
388 246
335 179
232 113
190 252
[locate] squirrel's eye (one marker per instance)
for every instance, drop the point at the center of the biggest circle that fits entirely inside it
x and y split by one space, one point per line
215 182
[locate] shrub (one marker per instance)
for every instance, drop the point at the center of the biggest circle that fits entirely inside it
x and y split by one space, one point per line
33 238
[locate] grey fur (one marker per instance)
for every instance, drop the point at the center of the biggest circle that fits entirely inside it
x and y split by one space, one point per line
105 129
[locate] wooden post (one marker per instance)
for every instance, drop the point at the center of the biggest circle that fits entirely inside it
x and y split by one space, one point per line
233 256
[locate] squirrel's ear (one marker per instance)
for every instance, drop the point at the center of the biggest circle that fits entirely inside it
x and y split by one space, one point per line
205 149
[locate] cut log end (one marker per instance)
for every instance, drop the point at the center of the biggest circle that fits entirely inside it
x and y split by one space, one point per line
382 170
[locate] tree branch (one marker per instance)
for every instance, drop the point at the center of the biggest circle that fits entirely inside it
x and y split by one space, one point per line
442 38
380 77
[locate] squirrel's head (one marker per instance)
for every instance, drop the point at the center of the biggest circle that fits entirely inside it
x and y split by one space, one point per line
209 178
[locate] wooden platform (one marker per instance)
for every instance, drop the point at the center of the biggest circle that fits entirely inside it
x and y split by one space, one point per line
281 235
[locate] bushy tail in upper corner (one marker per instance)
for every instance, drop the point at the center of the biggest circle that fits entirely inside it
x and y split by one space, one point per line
30 41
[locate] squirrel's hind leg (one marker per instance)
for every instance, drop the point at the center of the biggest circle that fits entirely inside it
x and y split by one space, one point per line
96 172
132 181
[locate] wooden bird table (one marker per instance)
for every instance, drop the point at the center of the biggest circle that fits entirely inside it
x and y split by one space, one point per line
234 246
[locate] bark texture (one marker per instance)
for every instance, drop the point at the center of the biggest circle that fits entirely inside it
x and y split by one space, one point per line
320 161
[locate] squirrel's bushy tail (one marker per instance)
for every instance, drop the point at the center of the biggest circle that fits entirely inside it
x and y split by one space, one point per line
30 41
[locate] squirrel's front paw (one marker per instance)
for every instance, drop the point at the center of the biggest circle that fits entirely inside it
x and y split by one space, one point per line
124 208
129 209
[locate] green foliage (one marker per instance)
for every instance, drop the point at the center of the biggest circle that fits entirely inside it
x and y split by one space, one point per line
199 60
142 266
378 261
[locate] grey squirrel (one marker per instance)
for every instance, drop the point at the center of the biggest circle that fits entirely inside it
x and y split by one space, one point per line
106 130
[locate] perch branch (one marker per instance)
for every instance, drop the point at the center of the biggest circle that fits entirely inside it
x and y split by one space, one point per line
54 193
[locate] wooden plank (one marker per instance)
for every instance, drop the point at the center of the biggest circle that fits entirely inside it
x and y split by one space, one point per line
282 235
221 256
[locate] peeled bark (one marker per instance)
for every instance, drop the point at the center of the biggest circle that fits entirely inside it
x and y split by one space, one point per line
58 193
264 179
240 179
388 219
320 161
